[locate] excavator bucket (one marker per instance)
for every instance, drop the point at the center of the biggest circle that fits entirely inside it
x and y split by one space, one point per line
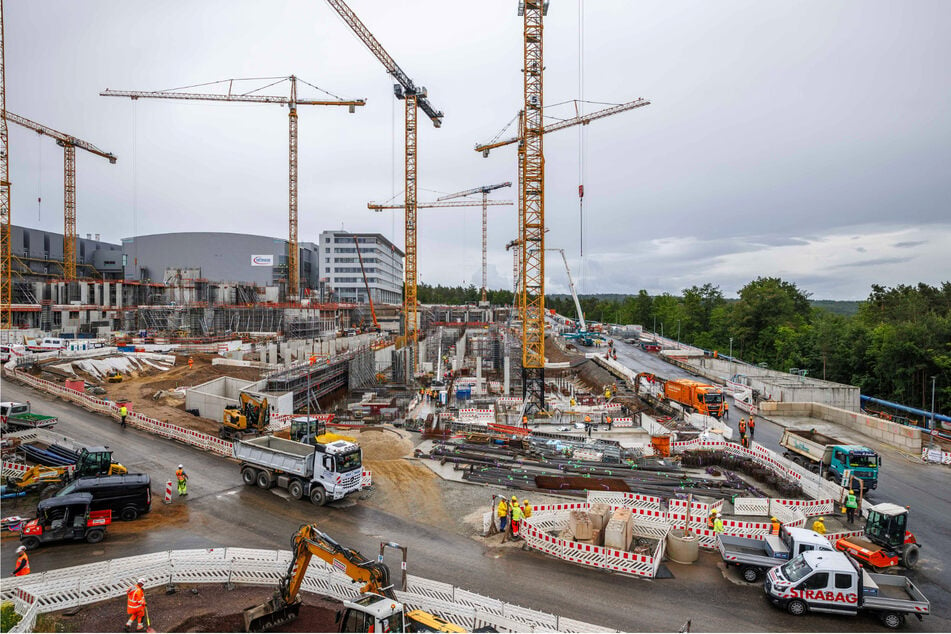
271 614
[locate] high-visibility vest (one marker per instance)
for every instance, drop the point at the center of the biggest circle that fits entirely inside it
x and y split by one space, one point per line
516 513
752 423
123 411
742 425
180 474
775 530
503 508
135 600
718 525
26 568
850 501
527 510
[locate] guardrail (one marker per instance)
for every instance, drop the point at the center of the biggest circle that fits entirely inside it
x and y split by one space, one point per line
81 585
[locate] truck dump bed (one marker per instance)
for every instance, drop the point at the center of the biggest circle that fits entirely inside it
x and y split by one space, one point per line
276 453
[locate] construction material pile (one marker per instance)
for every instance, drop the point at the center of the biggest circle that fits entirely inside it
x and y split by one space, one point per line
714 461
600 526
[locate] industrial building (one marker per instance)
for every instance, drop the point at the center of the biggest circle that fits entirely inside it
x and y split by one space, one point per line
38 255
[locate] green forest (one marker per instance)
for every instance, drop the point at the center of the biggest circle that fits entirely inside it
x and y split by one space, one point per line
890 345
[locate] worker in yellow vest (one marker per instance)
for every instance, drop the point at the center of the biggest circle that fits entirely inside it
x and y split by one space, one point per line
503 512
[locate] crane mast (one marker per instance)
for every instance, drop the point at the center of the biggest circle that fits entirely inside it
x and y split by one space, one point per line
414 97
484 190
533 208
69 144
293 248
6 251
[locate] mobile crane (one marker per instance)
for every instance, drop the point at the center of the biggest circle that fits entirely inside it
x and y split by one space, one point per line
581 334
376 610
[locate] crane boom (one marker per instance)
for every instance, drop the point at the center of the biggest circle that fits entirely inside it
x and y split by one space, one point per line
582 327
485 189
61 137
291 101
454 203
408 87
583 119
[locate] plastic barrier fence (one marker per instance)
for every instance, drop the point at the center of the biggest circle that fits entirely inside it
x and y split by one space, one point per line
91 583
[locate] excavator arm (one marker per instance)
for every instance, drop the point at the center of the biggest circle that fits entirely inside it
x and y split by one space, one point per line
308 542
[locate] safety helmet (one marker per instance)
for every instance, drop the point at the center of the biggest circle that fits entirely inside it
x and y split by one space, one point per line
822 519
515 498
140 582
773 519
180 467
851 492
525 501
21 549
713 512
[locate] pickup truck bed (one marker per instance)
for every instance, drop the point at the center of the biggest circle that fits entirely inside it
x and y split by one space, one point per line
895 592
745 550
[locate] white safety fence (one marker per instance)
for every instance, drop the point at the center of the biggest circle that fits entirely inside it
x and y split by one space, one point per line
80 585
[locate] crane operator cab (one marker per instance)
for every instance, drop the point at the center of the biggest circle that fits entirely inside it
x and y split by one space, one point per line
376 613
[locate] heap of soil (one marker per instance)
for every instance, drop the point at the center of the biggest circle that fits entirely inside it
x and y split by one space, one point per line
192 608
380 444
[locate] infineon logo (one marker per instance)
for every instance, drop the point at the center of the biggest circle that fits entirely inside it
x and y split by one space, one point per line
262 260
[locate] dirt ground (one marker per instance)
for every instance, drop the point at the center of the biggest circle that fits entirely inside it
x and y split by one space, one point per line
191 608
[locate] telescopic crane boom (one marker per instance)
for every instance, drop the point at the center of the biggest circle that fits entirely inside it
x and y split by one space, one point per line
582 327
291 101
412 96
69 144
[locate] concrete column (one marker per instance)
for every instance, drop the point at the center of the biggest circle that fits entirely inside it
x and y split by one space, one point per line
506 370
84 293
105 295
118 294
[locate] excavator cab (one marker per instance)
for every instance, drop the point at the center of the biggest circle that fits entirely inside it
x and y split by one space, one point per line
95 461
250 416
887 541
886 526
371 613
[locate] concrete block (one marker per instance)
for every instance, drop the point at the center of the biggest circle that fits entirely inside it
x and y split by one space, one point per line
600 515
625 516
580 524
615 535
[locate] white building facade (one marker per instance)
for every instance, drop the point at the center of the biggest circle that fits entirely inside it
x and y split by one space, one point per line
340 272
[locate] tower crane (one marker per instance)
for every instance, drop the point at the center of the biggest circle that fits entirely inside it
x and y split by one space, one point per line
6 250
484 190
291 101
413 97
69 144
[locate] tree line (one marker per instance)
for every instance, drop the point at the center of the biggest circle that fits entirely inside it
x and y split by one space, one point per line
891 347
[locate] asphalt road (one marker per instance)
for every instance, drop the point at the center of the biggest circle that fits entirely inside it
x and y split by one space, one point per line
221 512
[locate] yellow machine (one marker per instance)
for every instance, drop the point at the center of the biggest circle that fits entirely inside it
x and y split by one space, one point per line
252 416
115 377
91 462
377 609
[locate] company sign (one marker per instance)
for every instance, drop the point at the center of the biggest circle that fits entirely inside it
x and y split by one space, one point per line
262 260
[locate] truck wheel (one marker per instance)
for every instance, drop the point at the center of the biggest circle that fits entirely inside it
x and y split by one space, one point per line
31 543
909 556
750 574
797 607
95 535
296 489
264 480
249 475
128 514
318 496
893 620
49 491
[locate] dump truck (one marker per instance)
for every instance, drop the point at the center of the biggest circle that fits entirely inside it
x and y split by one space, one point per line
692 396
756 556
320 472
832 458
16 416
819 581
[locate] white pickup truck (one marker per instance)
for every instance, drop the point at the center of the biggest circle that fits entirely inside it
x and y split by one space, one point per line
832 582
756 556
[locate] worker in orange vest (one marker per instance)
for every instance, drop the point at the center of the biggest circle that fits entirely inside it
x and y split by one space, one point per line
752 427
23 563
135 606
742 428
774 529
191 362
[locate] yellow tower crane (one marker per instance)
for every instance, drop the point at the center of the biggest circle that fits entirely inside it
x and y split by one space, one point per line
484 190
291 101
6 250
413 97
69 145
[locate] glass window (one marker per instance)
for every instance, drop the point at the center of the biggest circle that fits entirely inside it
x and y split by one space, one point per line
843 581
348 461
817 581
796 569
355 621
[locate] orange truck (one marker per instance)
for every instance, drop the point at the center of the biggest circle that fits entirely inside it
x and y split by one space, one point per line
694 395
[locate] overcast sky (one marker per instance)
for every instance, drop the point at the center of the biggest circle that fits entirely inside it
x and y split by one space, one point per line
808 140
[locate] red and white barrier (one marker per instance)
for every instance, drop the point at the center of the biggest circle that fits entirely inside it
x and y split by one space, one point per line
168 492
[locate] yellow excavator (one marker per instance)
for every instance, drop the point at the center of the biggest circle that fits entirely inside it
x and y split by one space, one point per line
91 461
376 610
251 416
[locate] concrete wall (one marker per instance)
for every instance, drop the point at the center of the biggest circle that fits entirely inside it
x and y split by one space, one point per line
892 434
211 398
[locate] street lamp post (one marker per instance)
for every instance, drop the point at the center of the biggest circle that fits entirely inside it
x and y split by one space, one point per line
731 348
678 331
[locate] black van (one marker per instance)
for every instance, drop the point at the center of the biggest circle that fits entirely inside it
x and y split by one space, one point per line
127 496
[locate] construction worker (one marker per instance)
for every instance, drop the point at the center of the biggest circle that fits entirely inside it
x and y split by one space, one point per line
123 412
717 525
526 509
774 529
712 518
745 441
191 363
525 422
850 505
726 411
182 480
517 516
23 563
609 421
503 511
742 427
819 526
135 606
751 426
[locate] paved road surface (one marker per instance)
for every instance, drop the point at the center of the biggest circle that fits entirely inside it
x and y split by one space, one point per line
220 512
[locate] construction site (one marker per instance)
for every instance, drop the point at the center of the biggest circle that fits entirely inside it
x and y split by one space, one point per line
350 458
